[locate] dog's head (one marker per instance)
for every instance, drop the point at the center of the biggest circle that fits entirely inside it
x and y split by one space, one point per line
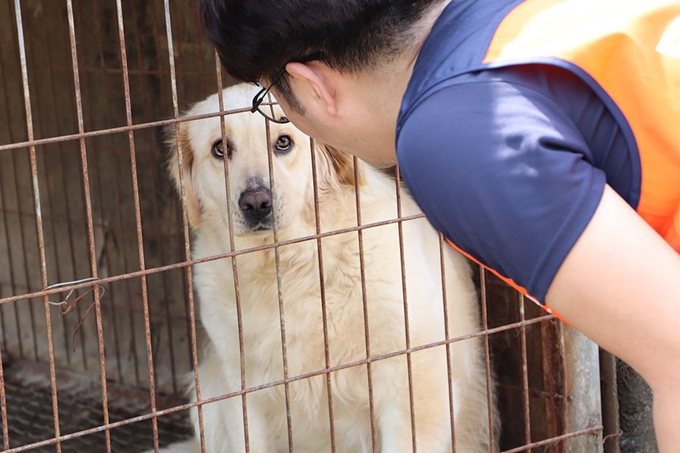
249 154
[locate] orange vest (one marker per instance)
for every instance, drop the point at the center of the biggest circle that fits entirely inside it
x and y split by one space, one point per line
631 49
628 51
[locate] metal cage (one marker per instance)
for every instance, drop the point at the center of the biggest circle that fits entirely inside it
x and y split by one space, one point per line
96 309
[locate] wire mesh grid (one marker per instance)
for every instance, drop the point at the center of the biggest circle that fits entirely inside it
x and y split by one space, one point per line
86 203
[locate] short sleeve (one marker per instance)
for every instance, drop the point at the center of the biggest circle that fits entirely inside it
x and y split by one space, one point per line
503 173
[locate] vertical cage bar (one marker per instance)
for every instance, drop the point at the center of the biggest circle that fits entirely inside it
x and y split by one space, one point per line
14 169
610 403
138 220
3 324
525 372
322 289
404 294
234 264
17 193
59 267
3 200
566 387
116 194
38 215
364 298
185 222
3 407
554 362
90 223
487 356
112 291
447 337
27 274
173 88
154 181
565 365
282 316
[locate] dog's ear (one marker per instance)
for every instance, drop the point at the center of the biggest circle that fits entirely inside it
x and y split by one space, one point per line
179 144
342 165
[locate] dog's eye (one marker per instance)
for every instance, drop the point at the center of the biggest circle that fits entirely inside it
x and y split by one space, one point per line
283 144
218 150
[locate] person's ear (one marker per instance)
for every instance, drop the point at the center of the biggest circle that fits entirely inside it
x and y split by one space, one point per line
318 78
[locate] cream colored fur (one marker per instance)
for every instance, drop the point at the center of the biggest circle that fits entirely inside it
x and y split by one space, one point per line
300 293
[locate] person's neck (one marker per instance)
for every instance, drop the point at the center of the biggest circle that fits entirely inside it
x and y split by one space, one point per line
393 77
387 84
374 98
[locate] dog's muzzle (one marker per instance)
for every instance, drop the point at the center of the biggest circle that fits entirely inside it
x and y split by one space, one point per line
256 207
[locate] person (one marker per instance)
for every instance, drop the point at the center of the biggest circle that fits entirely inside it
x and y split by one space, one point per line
540 137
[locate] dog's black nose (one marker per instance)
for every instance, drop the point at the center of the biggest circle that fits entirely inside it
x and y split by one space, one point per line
256 205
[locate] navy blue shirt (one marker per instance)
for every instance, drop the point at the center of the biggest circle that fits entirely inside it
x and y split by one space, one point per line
510 163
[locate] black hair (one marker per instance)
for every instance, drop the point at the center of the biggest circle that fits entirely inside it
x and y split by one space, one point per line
255 39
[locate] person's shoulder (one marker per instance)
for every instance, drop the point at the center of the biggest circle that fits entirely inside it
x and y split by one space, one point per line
483 105
486 155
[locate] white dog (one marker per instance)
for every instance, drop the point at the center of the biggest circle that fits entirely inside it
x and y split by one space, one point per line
361 304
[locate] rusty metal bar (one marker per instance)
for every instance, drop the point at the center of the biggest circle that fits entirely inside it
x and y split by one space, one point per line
277 259
3 325
555 440
27 274
525 372
190 262
183 407
404 294
234 264
59 268
145 107
185 220
322 289
543 394
487 356
138 220
554 376
103 194
22 235
63 219
90 227
171 235
3 200
447 336
86 69
367 338
38 215
564 365
3 407
117 130
32 314
610 403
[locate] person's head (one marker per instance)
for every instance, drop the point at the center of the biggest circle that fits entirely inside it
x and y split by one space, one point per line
256 39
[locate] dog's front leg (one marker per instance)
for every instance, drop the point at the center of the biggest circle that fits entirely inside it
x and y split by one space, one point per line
392 408
224 428
394 412
223 421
